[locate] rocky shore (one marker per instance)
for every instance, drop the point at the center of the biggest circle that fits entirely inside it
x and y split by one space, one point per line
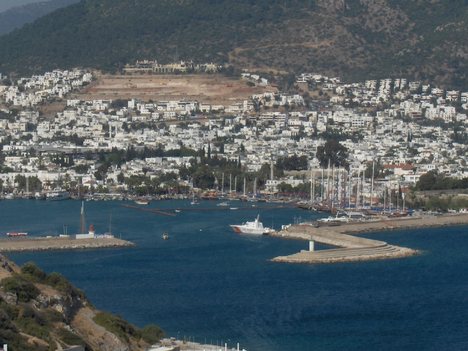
352 248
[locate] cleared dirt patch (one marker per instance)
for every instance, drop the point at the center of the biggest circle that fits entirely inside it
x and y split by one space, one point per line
211 89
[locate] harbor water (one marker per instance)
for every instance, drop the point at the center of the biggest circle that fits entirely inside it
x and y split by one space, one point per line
211 285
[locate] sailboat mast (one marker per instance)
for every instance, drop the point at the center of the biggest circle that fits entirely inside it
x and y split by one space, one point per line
82 219
328 180
372 184
384 198
222 183
349 187
332 196
362 187
357 190
322 187
312 184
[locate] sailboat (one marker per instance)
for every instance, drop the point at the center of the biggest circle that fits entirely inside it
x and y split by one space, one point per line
194 201
109 233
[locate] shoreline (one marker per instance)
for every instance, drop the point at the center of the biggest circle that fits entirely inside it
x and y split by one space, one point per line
352 248
52 244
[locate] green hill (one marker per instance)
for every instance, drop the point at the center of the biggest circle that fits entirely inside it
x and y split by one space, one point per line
18 16
352 38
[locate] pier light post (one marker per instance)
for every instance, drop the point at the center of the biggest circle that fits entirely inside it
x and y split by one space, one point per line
311 245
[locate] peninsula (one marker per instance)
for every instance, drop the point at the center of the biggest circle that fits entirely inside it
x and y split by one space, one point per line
353 248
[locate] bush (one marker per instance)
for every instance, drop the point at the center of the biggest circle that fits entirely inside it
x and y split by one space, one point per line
152 334
116 325
52 316
32 272
24 290
59 282
70 338
32 323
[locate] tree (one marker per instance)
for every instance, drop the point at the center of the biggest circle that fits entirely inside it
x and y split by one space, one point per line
119 104
203 178
378 169
121 178
285 188
152 333
101 172
332 152
81 169
293 162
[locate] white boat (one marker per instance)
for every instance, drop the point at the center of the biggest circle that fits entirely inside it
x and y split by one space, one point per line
165 236
256 227
143 202
16 234
58 195
333 219
223 204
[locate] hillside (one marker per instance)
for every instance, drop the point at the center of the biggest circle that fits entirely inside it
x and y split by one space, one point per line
18 16
352 38
43 312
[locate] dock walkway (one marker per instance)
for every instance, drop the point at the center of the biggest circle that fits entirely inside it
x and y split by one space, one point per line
352 248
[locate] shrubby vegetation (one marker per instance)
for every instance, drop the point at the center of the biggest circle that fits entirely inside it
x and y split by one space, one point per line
124 330
27 318
435 181
103 33
412 38
22 288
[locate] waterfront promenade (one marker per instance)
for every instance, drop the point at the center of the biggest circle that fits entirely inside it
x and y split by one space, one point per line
57 243
352 248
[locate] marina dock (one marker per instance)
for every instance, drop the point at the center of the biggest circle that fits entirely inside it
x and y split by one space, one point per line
57 243
352 248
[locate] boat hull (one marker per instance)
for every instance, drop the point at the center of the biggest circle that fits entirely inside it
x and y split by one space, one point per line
243 230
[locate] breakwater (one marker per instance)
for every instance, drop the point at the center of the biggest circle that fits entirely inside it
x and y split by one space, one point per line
57 243
352 248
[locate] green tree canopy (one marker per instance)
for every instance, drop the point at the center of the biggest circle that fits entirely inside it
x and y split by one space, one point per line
333 152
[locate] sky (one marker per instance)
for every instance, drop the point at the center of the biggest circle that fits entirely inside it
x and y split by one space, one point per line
6 4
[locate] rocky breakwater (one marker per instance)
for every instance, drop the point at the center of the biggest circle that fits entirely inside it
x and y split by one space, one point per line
59 243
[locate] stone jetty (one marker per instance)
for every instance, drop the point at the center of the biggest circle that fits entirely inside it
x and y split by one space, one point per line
352 248
58 243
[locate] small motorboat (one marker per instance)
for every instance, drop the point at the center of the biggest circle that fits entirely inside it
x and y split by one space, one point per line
165 236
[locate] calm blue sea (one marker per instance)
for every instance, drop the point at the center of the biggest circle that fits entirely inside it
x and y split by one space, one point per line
212 285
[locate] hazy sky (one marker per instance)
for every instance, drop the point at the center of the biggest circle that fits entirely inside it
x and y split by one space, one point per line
6 4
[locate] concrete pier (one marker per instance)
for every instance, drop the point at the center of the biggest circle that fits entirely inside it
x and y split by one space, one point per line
352 248
57 243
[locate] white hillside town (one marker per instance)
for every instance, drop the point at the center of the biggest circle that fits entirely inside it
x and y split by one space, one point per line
403 128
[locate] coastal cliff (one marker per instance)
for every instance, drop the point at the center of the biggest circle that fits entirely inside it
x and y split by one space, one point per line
44 312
